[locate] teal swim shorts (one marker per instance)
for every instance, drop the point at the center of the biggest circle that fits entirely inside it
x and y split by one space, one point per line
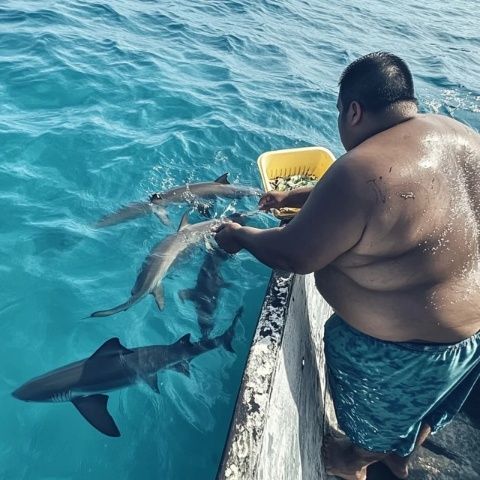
383 391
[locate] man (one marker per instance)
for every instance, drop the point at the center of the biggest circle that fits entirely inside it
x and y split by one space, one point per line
392 234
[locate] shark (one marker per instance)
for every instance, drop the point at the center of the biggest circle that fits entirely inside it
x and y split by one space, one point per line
207 289
161 258
193 193
84 383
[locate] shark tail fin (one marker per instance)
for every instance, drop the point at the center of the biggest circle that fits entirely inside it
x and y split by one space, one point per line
227 337
184 221
118 308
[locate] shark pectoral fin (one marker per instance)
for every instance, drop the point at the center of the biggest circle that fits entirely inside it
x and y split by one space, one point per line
161 214
157 292
186 294
94 409
225 284
182 367
227 337
223 179
228 346
152 382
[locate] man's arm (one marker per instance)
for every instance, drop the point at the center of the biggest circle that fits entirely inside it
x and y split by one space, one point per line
330 223
293 199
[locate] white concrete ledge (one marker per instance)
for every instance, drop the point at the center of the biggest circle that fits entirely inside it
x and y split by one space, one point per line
278 424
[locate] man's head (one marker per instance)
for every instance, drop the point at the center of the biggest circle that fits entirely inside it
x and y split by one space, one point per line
376 92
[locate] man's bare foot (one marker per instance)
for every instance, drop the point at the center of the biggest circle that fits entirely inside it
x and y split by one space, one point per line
397 465
341 461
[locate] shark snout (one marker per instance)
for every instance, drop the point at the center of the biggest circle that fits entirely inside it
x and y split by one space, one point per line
21 394
32 391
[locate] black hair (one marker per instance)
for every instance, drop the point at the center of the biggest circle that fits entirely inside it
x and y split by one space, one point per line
376 81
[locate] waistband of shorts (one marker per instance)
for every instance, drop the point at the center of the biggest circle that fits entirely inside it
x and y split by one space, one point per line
418 346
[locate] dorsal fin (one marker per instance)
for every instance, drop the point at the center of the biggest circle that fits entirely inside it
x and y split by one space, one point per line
183 222
110 347
185 340
223 179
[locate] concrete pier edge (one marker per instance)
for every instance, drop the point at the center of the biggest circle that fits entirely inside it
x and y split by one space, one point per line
284 375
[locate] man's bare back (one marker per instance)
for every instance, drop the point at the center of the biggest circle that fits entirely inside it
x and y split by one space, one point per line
415 273
391 232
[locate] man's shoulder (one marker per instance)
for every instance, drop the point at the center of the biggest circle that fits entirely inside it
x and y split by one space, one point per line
357 165
351 177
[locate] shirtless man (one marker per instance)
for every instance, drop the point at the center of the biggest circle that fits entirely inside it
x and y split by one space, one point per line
392 234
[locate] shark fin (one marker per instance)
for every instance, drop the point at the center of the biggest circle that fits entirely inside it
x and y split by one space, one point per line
151 381
223 179
186 294
94 409
158 294
222 283
111 347
182 367
184 221
161 214
185 340
227 337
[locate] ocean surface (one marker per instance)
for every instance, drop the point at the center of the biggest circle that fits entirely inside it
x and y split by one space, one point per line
104 103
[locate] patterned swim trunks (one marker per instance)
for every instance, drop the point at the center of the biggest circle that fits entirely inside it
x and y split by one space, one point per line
383 391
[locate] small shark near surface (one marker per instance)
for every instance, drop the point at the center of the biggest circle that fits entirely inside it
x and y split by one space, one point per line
207 289
159 261
113 367
192 193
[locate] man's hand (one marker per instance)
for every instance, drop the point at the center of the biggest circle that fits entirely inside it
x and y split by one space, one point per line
225 237
272 199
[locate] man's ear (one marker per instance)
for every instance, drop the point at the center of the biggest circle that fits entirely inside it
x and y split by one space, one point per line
355 113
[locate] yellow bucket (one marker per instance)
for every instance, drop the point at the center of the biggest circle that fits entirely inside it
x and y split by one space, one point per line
313 161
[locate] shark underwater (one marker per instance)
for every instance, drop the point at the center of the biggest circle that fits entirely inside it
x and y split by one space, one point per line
113 367
156 266
193 193
207 289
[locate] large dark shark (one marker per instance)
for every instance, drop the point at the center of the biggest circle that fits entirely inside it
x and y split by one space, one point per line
112 367
207 289
193 193
161 258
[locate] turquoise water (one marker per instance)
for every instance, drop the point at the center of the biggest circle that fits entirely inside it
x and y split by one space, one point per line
104 103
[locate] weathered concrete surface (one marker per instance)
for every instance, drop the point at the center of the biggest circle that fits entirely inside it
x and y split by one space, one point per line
283 409
243 448
291 446
277 428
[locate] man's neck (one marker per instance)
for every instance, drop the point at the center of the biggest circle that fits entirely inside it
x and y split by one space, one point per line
383 121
